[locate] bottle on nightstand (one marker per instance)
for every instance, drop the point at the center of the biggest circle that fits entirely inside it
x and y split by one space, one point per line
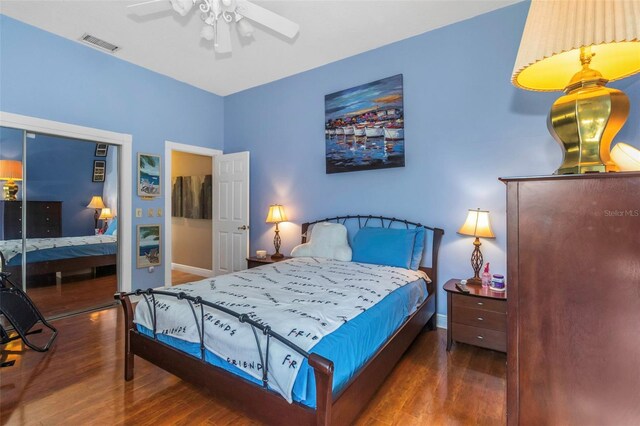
486 276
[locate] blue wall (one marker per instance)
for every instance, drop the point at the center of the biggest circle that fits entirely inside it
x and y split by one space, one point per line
465 126
58 169
46 76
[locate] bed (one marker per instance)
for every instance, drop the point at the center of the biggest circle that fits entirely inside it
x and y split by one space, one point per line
51 255
287 376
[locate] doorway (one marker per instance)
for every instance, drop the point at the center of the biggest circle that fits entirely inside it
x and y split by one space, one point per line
228 229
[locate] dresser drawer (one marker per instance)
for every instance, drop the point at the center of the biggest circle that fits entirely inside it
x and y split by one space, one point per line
480 318
490 339
461 300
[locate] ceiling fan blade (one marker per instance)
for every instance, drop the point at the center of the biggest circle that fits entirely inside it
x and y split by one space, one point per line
267 18
144 3
223 37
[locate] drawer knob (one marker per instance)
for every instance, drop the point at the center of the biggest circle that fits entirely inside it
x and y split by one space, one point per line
480 337
480 319
480 304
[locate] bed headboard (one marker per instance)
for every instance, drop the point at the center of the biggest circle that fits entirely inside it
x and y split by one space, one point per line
434 235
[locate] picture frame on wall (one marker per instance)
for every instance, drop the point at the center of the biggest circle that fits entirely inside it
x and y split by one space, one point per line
148 245
99 170
364 127
102 149
149 175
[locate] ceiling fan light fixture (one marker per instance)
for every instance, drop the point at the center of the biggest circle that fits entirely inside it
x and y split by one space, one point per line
245 28
182 7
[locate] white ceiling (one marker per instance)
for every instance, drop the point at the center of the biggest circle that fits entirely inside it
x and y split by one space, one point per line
157 38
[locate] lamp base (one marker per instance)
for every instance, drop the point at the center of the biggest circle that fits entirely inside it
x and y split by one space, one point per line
585 120
10 191
277 256
474 281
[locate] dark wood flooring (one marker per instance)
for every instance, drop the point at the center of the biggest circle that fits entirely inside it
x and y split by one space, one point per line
80 381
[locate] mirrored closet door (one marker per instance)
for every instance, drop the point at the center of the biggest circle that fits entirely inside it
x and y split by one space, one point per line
58 220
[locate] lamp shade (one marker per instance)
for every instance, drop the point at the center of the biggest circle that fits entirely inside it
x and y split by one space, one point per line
626 157
96 203
105 213
10 170
549 54
276 214
477 224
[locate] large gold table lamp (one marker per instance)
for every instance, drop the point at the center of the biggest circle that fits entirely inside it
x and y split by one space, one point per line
577 46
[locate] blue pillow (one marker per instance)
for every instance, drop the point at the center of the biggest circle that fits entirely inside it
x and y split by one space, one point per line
384 246
418 248
113 226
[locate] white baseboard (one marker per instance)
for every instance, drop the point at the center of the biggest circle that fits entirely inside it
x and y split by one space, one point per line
192 270
441 321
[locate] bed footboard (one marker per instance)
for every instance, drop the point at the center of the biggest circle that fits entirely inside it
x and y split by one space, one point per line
258 402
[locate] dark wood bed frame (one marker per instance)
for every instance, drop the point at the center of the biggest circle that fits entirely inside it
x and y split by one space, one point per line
268 406
60 265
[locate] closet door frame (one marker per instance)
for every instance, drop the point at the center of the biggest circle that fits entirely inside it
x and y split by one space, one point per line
125 184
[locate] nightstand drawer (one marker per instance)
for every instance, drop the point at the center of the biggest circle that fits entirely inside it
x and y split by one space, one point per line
480 318
479 303
490 339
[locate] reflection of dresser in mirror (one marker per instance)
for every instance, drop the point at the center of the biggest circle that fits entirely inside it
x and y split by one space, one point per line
44 219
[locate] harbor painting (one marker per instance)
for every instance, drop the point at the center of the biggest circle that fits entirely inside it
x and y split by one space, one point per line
148 175
364 127
148 246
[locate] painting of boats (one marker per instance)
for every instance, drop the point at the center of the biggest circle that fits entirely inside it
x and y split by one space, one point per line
393 134
374 132
364 127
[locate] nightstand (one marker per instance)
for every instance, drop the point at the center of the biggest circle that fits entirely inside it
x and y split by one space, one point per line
478 318
254 262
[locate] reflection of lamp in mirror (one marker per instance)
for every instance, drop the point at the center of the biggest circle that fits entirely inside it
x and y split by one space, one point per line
105 215
10 171
96 203
477 225
276 215
577 46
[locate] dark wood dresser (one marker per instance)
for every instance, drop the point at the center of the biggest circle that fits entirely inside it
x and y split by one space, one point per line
44 219
573 250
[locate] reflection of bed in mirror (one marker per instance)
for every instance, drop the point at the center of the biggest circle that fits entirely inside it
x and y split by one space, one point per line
48 252
52 255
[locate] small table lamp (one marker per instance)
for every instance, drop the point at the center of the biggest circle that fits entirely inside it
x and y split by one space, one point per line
477 225
577 46
96 203
11 171
276 215
105 215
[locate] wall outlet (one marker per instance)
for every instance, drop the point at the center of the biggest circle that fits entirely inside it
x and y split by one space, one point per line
159 212
138 212
150 212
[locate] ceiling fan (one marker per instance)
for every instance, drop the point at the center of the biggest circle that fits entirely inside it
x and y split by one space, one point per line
219 15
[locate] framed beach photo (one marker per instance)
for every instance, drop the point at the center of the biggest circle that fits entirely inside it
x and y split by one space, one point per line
101 150
148 245
99 169
364 127
149 173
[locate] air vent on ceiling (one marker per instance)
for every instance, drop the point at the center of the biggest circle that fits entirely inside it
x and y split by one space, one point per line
99 43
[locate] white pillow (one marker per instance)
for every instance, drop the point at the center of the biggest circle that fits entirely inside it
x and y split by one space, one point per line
327 240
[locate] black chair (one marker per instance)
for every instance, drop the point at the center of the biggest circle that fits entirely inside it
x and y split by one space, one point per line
22 314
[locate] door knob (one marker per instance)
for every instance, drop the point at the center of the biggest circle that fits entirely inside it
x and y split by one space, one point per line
243 228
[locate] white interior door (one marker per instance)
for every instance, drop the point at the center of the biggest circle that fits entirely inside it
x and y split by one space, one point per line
231 212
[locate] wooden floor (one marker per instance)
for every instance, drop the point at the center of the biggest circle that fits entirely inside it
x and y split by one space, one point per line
179 277
69 297
80 381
